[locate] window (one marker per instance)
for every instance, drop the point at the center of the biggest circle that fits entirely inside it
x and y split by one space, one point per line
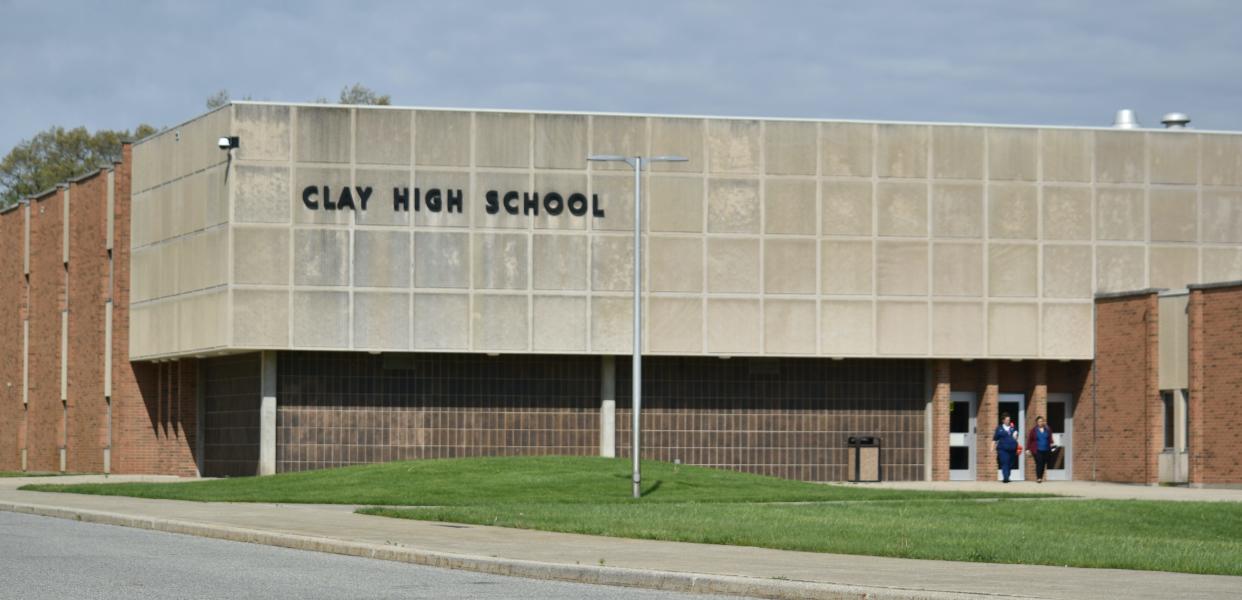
1167 399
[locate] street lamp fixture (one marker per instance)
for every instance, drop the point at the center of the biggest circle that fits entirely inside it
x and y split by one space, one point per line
636 162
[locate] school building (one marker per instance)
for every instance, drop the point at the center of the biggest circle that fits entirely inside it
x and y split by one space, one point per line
334 285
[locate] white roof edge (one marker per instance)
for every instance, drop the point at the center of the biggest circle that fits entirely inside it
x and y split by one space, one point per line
723 117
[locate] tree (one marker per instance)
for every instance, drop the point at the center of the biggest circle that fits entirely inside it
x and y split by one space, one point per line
58 154
217 99
361 94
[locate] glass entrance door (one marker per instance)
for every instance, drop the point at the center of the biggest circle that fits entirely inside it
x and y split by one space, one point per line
1015 405
1061 421
962 436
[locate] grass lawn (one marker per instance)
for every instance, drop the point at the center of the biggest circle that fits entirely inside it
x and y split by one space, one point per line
693 504
25 474
515 480
1191 537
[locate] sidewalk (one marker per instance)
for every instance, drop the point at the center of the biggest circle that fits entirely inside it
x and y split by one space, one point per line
588 559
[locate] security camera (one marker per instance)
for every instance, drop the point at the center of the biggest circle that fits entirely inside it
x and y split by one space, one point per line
228 143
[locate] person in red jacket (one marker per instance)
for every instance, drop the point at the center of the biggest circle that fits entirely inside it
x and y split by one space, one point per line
1039 444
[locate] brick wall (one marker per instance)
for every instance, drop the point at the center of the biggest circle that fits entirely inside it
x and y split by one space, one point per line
153 405
1215 385
942 380
45 412
87 280
12 301
1122 443
782 417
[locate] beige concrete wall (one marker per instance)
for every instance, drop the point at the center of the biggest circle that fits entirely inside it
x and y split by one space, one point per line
776 237
179 238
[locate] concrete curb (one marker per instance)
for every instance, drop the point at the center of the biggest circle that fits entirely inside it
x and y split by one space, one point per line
599 575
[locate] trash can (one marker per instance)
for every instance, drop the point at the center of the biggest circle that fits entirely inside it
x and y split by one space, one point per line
863 462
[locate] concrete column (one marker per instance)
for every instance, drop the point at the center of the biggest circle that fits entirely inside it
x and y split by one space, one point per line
608 407
267 414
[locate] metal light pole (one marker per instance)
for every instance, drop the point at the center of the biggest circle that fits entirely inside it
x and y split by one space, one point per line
636 162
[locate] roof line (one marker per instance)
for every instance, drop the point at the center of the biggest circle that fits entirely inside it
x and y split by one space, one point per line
723 117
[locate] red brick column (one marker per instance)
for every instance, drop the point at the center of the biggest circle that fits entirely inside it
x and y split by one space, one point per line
1036 406
986 423
940 420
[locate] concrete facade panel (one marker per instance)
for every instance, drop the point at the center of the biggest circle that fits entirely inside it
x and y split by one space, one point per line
616 192
677 137
1065 328
612 325
376 319
901 209
384 137
560 262
1174 157
847 328
733 326
564 184
1013 211
1173 267
441 260
260 318
500 323
322 257
441 321
502 140
1067 271
1222 264
847 267
1120 268
324 135
1120 157
1066 155
263 132
382 259
330 184
1174 215
262 194
789 326
442 138
787 204
1222 160
901 268
790 148
675 325
622 136
320 319
957 152
732 265
675 264
957 269
612 263
1013 329
846 149
501 261
847 207
675 204
902 328
733 146
1120 214
957 210
1222 217
901 151
1013 154
1067 213
733 206
957 329
1013 270
789 266
381 209
560 141
560 323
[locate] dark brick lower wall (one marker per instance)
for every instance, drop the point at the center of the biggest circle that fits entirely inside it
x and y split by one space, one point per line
231 425
788 417
337 408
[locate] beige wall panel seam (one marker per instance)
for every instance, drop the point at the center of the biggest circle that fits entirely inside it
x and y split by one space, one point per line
64 355
107 359
64 225
111 209
25 362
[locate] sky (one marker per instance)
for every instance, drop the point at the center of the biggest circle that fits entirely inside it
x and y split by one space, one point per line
117 64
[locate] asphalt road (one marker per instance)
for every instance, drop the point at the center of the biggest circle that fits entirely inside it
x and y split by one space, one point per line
47 558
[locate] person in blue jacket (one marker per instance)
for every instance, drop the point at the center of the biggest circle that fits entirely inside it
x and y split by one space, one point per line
1005 441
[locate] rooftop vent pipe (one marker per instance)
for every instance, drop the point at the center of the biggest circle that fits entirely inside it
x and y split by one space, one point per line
1126 119
1175 120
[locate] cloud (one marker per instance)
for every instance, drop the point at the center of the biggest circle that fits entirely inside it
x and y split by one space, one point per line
1047 63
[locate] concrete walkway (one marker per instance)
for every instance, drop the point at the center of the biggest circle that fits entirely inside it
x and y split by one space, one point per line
641 563
1080 489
